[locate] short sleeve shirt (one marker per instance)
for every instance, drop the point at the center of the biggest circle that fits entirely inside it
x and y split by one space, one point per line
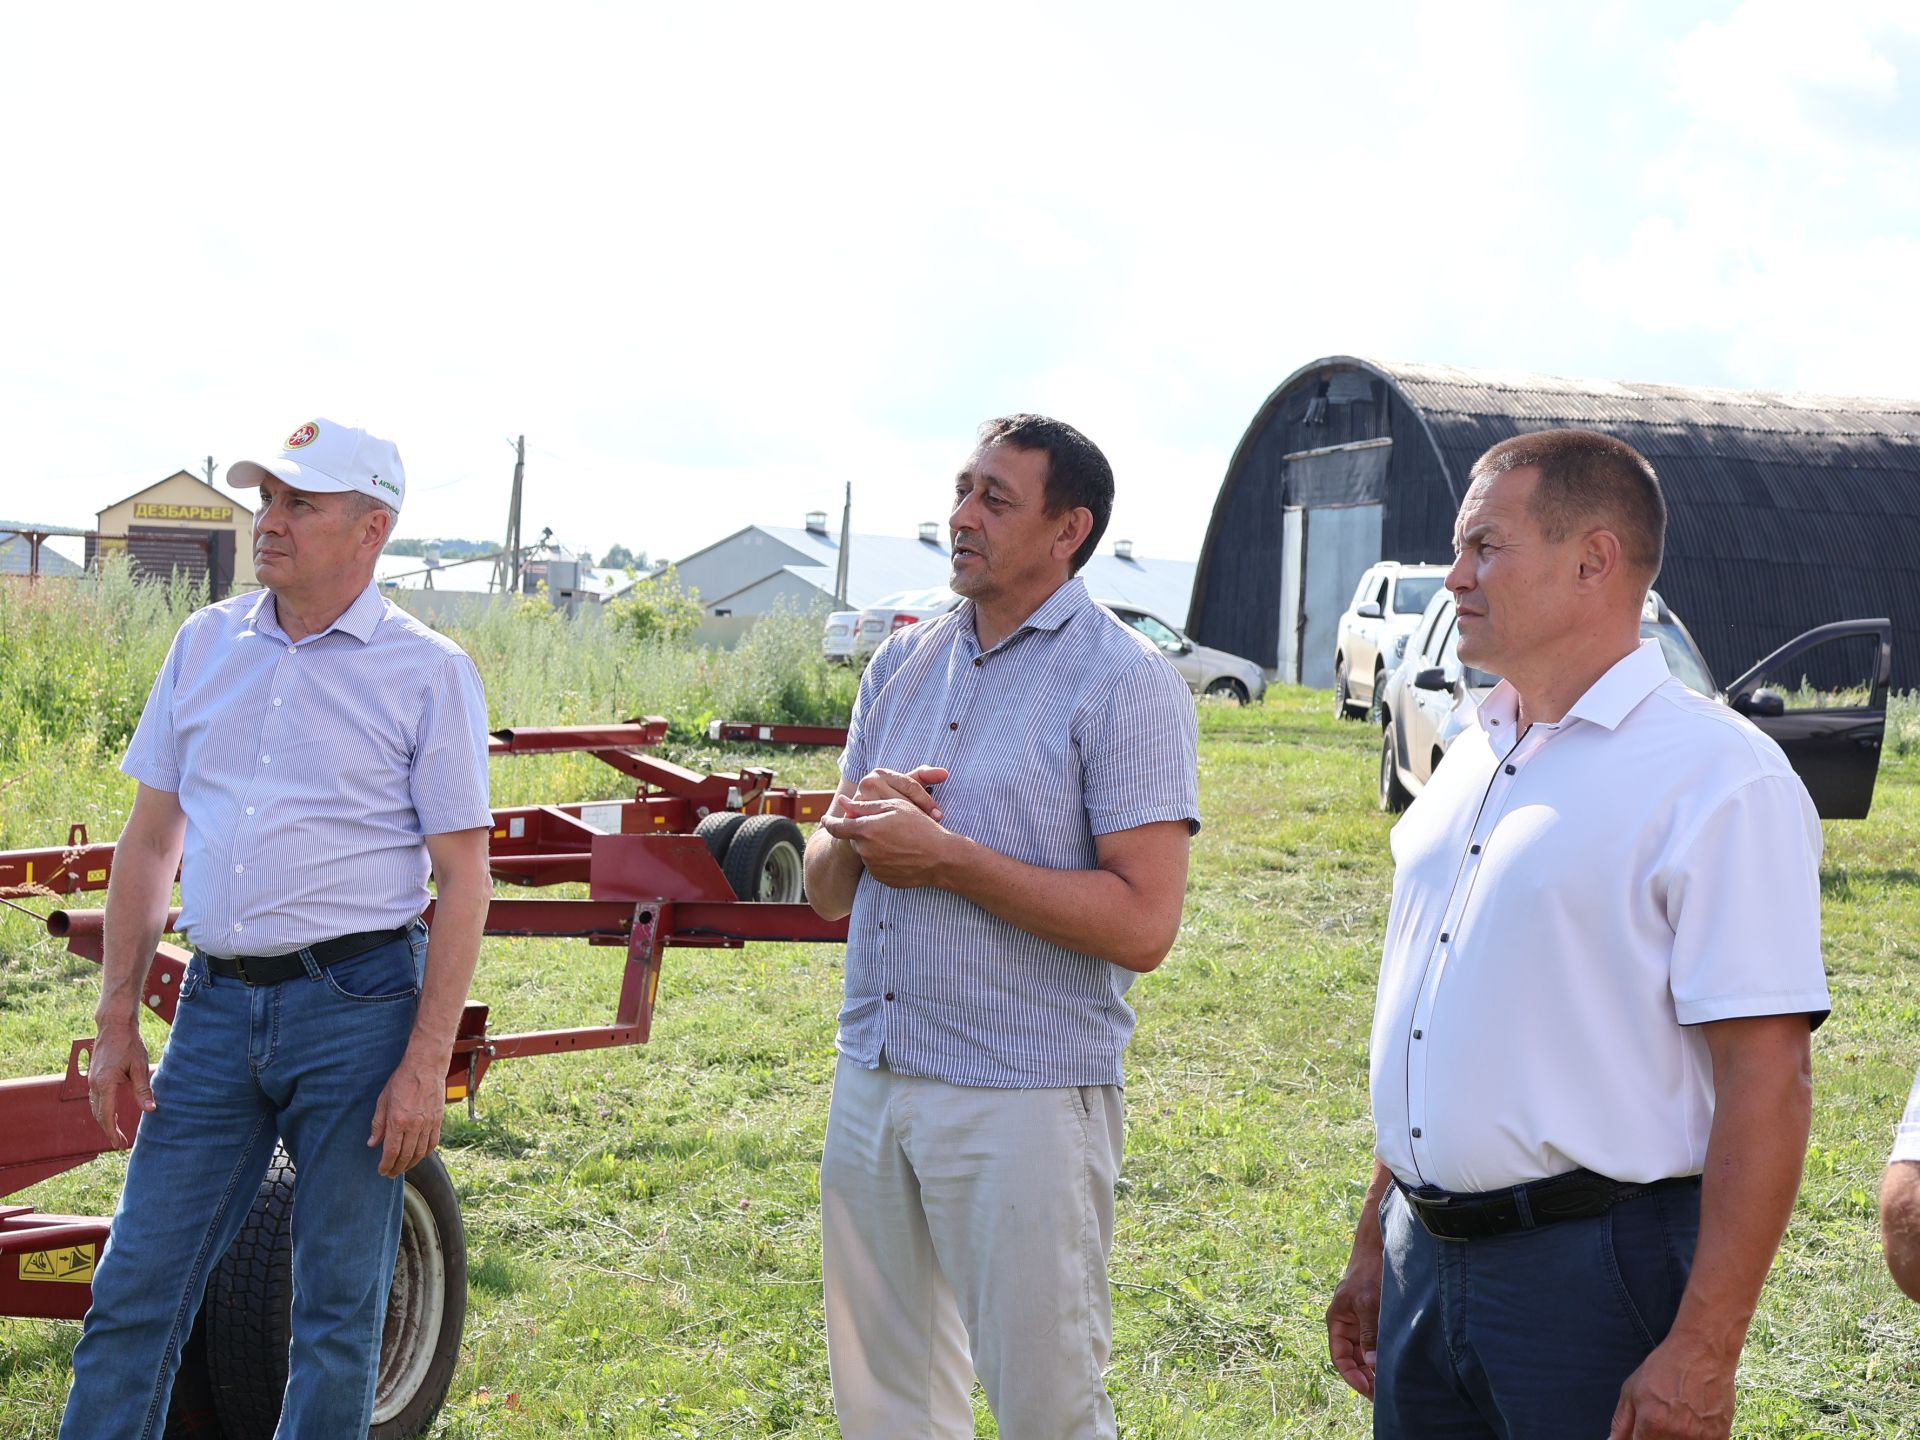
1906 1145
310 772
1567 908
1071 728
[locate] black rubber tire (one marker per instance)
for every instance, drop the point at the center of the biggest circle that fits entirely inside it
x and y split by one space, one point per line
190 1412
718 830
764 862
1229 689
1341 700
1394 796
250 1298
1376 707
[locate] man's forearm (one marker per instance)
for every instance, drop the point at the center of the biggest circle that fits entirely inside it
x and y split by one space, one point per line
453 950
833 875
139 892
1096 912
1755 1151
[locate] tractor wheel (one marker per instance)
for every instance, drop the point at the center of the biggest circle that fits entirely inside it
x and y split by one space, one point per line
190 1414
718 831
764 860
250 1298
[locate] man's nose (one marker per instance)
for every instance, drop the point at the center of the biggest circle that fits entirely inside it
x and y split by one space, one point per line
1460 575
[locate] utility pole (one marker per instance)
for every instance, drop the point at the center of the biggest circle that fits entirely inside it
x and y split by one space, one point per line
209 469
506 570
846 537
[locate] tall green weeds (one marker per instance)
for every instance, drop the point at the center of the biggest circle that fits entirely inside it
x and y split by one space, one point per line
77 658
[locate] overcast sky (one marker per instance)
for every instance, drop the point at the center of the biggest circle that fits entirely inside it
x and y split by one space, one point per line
715 261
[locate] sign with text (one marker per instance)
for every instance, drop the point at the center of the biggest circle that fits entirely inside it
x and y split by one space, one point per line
150 510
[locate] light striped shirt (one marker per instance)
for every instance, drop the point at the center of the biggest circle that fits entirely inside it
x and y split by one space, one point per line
1072 727
1906 1143
310 772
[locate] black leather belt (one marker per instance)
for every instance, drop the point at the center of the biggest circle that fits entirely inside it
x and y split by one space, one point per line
1576 1195
272 969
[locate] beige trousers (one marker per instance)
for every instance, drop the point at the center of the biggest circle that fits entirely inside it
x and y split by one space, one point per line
965 1231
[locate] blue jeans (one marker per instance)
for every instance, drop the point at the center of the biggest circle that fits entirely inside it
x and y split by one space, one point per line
306 1060
1527 1335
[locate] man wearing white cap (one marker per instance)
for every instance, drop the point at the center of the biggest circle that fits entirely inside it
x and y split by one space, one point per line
313 751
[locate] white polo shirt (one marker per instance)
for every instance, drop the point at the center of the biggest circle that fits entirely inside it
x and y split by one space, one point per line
1906 1145
1565 908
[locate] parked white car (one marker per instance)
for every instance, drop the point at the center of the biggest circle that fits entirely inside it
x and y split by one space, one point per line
1831 737
906 607
1207 671
1372 634
837 641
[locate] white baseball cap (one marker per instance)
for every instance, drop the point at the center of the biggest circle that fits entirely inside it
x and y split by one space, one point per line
323 456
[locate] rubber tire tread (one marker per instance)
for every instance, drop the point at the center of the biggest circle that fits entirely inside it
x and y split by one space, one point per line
248 1311
190 1412
752 846
249 1301
718 830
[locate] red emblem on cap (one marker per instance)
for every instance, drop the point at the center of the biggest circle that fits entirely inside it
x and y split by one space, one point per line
305 435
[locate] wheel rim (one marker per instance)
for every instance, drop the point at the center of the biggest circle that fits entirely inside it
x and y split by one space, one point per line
780 876
416 1305
1386 764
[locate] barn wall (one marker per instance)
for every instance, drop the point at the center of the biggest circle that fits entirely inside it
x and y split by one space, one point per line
1237 601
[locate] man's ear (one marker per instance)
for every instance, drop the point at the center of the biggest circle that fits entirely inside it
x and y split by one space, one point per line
1600 558
1075 525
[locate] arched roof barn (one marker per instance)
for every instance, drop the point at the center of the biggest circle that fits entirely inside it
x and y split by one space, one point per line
1787 511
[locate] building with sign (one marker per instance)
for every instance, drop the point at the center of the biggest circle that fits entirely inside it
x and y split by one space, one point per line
182 524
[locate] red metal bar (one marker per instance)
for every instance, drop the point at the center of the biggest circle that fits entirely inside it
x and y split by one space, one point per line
46 1263
77 865
642 732
753 730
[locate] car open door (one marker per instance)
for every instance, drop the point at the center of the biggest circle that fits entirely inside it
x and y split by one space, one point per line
1823 698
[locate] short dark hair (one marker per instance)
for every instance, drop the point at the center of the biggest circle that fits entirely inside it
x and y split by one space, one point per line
1077 473
1585 476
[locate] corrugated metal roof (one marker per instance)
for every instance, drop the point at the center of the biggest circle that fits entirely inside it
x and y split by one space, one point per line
1788 509
883 565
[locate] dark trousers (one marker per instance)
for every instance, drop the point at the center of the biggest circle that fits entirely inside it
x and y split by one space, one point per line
1527 1335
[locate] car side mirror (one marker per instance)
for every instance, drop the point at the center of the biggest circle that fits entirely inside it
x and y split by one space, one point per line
1432 678
1763 703
1369 611
1184 647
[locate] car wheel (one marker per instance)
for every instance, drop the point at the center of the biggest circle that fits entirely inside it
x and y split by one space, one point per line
1340 697
1229 690
250 1295
765 862
1393 795
1377 706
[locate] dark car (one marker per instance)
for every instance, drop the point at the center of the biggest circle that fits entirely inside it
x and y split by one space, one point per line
1822 697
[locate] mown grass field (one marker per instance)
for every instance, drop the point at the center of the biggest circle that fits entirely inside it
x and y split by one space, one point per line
642 1222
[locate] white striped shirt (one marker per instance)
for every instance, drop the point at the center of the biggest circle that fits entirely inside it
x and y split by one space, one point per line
310 772
1072 727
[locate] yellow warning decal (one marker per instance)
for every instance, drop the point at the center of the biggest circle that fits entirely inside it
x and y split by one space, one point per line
95 876
71 1266
456 1092
499 834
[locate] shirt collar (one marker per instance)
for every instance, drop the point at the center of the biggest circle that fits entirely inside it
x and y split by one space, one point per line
1058 608
358 620
1607 702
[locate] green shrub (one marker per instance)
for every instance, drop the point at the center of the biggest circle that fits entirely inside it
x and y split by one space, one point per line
656 608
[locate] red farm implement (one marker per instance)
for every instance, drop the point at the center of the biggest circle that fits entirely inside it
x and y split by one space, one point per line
651 885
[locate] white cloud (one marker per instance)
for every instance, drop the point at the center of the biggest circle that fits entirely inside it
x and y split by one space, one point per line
1785 206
